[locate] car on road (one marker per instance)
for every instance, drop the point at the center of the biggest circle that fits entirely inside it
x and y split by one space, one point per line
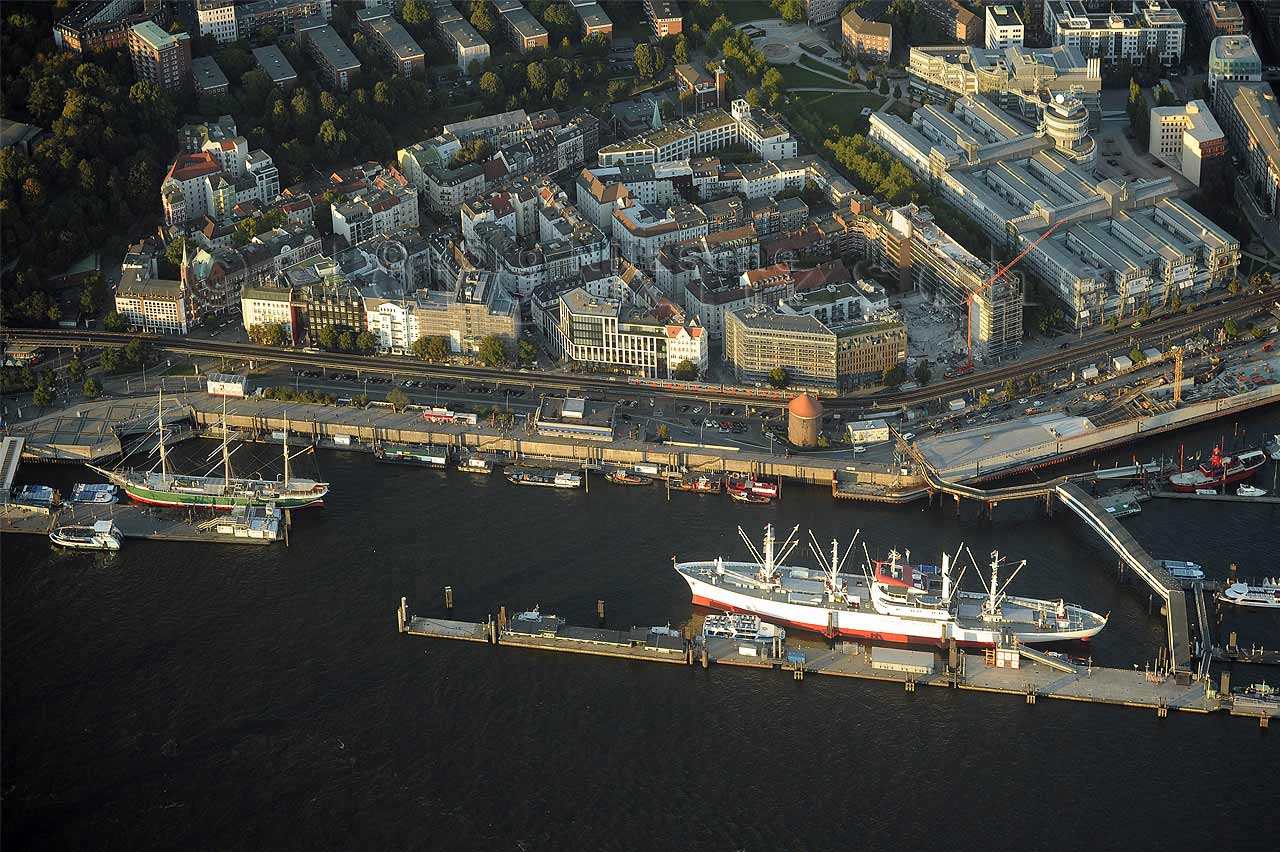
1137 324
1039 403
908 436
697 409
1023 401
1066 345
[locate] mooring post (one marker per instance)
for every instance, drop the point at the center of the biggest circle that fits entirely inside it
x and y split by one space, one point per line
1231 640
448 598
704 655
957 496
1225 684
401 617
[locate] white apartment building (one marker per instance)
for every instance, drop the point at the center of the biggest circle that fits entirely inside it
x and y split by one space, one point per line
1184 137
1232 59
819 12
373 214
217 18
154 305
608 334
265 305
703 133
1004 27
1115 31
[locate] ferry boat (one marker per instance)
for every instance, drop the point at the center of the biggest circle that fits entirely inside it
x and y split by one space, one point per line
741 626
748 497
622 477
752 486
36 496
1219 471
1180 570
889 600
101 493
546 479
1265 596
1262 692
163 488
418 454
1247 490
102 535
700 485
476 464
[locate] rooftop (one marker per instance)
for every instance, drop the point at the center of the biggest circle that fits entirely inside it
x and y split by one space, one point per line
332 48
155 36
760 318
207 74
272 60
387 28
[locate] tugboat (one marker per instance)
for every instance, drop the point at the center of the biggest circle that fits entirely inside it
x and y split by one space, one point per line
1219 472
103 535
739 489
475 463
622 477
701 485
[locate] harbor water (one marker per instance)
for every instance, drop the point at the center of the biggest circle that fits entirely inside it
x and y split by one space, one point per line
181 696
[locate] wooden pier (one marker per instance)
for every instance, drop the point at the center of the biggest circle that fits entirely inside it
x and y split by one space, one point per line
1034 676
1221 498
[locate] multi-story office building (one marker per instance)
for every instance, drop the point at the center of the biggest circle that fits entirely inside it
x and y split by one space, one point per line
1004 27
606 333
665 18
98 25
819 12
758 339
474 307
1187 139
323 299
160 57
1220 17
1232 59
1016 78
1118 31
333 58
217 19
391 40
266 303
699 91
154 305
1115 247
1251 118
522 27
866 40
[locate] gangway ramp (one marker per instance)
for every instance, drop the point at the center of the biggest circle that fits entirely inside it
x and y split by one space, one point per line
1028 653
10 458
1140 562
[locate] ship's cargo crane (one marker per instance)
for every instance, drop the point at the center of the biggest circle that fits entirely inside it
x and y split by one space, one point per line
1000 271
1177 375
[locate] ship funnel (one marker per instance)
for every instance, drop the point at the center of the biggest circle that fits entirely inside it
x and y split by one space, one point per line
946 576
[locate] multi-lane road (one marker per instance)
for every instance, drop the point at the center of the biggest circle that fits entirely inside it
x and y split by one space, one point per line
1090 346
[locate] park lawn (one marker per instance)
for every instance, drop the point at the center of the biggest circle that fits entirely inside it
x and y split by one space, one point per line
793 76
903 110
812 64
740 11
844 111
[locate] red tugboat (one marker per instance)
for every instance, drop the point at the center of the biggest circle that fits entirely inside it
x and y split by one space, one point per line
1219 471
751 490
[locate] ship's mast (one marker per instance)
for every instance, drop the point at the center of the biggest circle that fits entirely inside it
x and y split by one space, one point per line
768 549
164 463
286 451
993 589
946 576
226 456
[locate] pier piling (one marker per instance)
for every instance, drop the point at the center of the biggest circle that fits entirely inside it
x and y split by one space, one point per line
448 598
1224 684
600 611
402 618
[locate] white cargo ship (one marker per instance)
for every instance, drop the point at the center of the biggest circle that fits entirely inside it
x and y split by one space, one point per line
891 600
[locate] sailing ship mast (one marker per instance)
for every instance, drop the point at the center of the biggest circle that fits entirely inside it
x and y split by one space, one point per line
226 456
286 451
164 464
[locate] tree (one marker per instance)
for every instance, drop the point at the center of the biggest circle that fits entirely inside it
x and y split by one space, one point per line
366 343
347 341
1010 388
432 348
482 19
791 11
493 352
527 353
984 399
398 399
92 388
923 373
1135 355
884 85
779 377
893 376
1234 287
1175 304
1230 328
536 74
75 368
134 352
680 53
114 322
560 92
109 360
42 396
685 371
491 87
328 338
663 433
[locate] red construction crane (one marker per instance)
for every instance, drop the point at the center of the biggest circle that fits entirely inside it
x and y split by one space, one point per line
1001 271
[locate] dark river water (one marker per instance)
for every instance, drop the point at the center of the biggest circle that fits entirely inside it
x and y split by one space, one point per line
179 696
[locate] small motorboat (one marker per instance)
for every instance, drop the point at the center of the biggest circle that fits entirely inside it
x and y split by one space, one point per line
1180 570
1247 490
102 535
748 497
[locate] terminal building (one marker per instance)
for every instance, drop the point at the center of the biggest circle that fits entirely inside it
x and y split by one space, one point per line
1115 248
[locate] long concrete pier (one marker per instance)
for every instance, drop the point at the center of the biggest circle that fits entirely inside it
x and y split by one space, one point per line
139 522
1032 676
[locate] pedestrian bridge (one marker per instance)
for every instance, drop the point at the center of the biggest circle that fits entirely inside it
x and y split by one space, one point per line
1132 555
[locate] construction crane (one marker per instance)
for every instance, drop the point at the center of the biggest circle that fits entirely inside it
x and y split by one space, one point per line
1001 271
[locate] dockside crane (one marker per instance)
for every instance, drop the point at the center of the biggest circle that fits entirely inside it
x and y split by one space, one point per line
995 277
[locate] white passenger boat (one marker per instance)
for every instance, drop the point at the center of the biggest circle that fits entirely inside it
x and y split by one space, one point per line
102 535
1180 570
741 626
101 493
1265 596
1247 490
